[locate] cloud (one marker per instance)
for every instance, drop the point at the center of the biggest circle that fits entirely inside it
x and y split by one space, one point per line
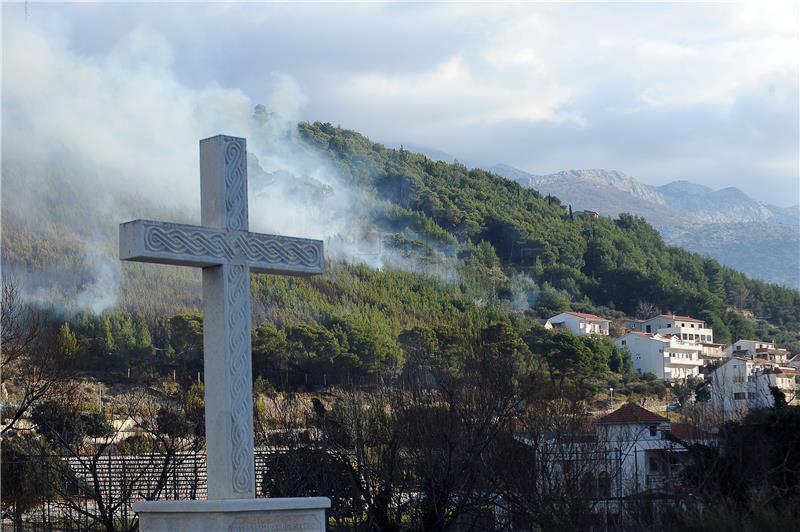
538 86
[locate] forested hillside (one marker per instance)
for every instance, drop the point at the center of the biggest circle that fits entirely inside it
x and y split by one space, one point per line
617 264
459 249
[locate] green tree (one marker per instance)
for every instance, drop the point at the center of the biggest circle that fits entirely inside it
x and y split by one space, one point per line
186 338
29 475
67 343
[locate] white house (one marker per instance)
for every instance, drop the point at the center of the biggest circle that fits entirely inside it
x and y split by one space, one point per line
757 348
627 453
668 357
579 323
684 327
741 384
652 450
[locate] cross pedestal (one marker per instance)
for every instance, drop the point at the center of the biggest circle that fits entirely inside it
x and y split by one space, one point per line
227 252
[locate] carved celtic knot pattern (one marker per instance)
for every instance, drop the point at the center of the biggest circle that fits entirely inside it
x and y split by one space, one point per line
277 250
236 183
238 294
183 241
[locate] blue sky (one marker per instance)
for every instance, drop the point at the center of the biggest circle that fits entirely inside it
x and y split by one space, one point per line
703 92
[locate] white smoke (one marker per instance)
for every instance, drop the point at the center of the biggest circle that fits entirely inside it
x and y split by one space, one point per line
85 138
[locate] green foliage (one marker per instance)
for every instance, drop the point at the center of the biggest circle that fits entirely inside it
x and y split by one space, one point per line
582 360
760 489
623 260
620 361
28 474
67 343
504 253
66 425
172 422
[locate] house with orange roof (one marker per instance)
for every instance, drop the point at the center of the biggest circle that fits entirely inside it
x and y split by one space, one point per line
652 450
686 328
630 451
579 323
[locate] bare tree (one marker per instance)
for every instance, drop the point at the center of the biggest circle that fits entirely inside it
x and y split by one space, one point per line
102 473
33 358
646 310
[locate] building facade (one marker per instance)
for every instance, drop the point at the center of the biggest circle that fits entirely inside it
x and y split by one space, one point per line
686 328
579 323
667 357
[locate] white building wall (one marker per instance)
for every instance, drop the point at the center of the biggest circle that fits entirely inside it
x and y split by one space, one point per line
580 326
645 353
739 385
751 346
631 443
668 358
687 330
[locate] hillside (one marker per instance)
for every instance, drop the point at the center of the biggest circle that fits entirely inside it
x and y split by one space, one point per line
427 243
603 262
724 224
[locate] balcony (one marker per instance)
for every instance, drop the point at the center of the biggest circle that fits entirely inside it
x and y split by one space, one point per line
671 359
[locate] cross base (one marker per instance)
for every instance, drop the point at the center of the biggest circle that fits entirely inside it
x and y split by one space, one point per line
234 515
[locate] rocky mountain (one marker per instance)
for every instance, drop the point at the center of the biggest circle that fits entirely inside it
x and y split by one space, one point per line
721 206
728 225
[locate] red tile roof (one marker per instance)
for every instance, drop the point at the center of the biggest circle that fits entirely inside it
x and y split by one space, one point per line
632 413
586 316
682 318
684 431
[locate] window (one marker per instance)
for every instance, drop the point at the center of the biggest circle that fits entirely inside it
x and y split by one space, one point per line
647 328
739 396
738 378
751 395
653 430
624 342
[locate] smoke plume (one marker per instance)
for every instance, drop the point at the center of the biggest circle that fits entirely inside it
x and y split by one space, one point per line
91 142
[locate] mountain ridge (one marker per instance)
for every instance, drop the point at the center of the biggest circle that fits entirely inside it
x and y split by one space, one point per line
736 229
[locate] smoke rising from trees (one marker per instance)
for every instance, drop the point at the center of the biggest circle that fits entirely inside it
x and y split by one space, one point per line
93 142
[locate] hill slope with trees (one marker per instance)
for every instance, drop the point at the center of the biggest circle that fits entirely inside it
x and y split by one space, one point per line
469 248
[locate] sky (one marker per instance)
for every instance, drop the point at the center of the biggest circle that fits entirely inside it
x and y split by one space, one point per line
702 92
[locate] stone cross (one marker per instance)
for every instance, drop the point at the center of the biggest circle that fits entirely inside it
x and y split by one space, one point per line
227 252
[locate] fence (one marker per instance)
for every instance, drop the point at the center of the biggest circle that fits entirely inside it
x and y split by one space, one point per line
605 480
